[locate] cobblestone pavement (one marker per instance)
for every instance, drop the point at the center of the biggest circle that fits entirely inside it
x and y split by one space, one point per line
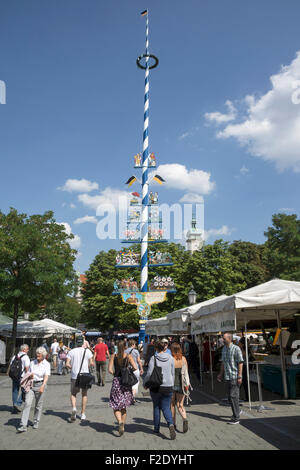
207 421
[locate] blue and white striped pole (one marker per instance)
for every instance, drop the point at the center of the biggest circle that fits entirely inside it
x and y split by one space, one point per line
145 186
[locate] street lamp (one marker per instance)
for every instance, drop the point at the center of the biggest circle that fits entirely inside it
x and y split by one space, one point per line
192 296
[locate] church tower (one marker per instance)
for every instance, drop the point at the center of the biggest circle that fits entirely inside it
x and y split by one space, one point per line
194 239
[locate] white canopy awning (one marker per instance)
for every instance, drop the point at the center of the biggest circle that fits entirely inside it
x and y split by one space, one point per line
177 322
158 327
180 320
256 303
38 328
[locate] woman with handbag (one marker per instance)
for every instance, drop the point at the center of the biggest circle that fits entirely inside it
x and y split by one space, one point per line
160 380
121 396
39 372
181 385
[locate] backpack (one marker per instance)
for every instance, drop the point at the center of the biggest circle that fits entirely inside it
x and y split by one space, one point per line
16 368
62 354
156 378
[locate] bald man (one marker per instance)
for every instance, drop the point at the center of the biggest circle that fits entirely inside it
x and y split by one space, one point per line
232 370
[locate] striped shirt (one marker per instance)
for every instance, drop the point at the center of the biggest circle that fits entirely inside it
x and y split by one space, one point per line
231 358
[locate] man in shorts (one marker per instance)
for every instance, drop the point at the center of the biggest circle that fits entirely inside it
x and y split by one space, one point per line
75 357
54 352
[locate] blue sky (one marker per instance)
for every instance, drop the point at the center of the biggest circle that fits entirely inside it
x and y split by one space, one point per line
74 108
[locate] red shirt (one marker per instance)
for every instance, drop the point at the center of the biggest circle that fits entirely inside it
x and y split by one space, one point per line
100 350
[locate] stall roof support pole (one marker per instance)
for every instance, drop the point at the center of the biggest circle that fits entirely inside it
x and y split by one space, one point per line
282 358
247 365
200 359
210 365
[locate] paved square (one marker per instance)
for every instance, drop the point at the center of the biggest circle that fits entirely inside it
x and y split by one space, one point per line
207 421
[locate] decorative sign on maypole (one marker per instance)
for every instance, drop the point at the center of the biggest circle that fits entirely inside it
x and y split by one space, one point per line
144 225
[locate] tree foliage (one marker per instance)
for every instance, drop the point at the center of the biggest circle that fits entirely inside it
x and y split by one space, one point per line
66 310
36 262
282 248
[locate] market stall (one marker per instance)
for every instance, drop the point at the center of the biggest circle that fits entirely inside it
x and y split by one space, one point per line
276 300
38 329
158 327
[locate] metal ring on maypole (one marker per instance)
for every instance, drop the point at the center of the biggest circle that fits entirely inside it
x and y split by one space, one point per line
145 56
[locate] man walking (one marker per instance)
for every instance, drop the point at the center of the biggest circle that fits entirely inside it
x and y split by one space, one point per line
78 360
19 366
54 352
101 353
232 369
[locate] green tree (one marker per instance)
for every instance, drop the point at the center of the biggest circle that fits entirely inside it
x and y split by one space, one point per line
250 262
36 262
282 248
101 309
66 310
213 271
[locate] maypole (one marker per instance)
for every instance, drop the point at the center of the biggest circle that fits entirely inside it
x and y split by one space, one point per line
142 220
145 160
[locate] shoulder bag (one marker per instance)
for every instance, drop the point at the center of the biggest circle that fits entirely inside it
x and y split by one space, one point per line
85 379
155 379
127 377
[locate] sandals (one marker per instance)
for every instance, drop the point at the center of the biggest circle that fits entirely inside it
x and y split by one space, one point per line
185 425
121 429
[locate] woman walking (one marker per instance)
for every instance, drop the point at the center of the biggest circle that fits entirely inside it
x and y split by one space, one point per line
120 397
39 371
62 356
181 385
133 351
162 395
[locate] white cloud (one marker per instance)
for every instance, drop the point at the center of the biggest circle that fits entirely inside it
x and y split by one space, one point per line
109 196
76 241
244 170
179 177
184 135
72 206
220 118
271 129
192 198
88 218
79 186
189 133
287 209
213 233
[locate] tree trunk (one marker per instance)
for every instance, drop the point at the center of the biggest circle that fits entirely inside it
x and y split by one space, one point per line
14 329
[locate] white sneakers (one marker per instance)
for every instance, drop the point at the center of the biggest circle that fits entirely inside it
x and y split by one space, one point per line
73 415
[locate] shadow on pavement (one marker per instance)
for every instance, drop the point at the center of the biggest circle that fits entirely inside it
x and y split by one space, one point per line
8 408
105 399
283 402
13 422
135 428
148 422
59 414
101 427
144 400
210 416
272 430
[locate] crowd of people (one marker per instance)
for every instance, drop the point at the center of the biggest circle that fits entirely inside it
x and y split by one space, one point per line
163 366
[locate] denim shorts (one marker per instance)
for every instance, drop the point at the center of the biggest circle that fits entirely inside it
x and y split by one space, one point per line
177 389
